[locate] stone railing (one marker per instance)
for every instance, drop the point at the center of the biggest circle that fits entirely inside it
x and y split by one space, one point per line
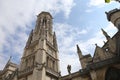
26 71
51 71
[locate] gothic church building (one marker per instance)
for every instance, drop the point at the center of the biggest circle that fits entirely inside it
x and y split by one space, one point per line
40 59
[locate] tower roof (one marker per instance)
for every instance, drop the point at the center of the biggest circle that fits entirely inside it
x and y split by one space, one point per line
45 13
79 52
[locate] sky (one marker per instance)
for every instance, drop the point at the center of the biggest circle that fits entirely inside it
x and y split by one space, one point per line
75 22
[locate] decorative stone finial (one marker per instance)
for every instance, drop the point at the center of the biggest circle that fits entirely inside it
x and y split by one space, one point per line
105 34
69 69
96 45
79 52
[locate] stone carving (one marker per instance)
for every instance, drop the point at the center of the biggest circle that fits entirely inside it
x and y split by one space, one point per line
40 66
69 69
105 34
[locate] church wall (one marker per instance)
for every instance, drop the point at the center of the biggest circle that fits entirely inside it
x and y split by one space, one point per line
48 78
117 66
21 79
15 77
11 68
81 78
30 77
84 62
100 73
110 48
40 56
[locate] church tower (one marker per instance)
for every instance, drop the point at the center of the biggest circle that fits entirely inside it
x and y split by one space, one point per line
40 58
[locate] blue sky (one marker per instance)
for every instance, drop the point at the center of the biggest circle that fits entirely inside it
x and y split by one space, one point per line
75 22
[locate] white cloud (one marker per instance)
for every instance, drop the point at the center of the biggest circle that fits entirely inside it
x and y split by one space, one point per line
88 10
94 4
98 38
67 5
55 6
111 29
16 19
98 3
67 40
3 60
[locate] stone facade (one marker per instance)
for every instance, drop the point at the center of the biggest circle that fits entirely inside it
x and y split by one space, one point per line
40 58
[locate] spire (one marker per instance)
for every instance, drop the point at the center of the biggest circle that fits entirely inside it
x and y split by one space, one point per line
105 34
55 41
8 62
79 52
96 45
104 42
10 59
29 39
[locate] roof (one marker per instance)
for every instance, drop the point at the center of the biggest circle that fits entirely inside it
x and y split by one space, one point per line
46 13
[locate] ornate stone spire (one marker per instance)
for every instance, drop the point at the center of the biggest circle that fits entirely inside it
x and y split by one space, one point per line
55 41
79 52
42 48
105 34
29 39
8 62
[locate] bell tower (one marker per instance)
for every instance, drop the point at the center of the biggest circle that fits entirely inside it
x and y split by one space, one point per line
40 58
